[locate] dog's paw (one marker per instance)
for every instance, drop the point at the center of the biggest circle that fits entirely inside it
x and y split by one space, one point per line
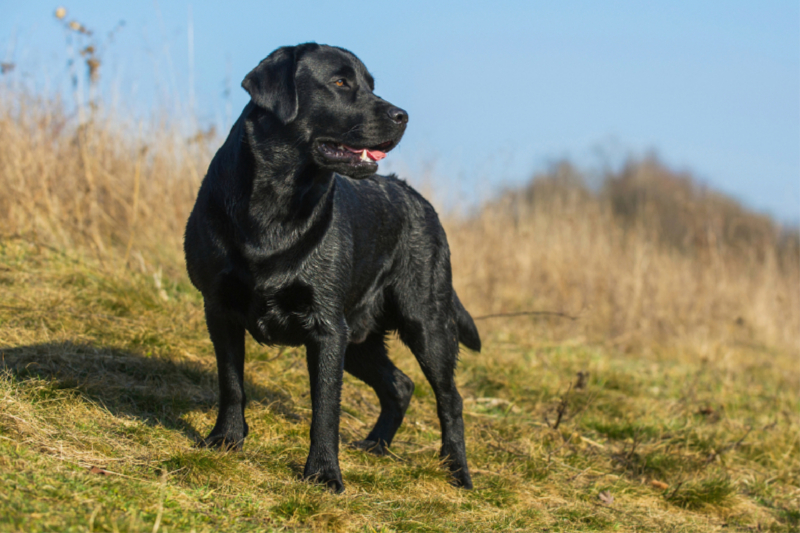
228 434
370 446
329 476
223 441
459 472
461 479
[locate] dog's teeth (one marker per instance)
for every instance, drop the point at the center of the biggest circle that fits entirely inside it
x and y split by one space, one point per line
364 156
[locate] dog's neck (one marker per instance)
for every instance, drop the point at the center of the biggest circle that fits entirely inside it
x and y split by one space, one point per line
287 187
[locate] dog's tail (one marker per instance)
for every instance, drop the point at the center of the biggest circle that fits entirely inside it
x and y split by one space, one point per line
467 332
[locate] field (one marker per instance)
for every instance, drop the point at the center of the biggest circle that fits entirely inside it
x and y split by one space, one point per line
653 388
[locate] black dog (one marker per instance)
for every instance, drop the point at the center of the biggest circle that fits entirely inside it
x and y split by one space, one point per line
296 240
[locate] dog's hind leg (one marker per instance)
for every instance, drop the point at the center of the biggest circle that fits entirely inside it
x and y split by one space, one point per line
368 362
228 339
434 342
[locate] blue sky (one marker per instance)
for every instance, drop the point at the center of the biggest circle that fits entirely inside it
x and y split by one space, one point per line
495 91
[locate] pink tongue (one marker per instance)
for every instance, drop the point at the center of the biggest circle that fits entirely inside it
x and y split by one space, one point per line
375 155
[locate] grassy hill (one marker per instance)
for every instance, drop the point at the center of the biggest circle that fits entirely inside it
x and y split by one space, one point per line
655 391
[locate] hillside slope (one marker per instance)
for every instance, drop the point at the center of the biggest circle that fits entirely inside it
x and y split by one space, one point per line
108 381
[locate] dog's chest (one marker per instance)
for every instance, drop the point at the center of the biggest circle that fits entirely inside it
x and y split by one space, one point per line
283 314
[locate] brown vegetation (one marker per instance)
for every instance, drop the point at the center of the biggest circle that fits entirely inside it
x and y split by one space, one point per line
650 256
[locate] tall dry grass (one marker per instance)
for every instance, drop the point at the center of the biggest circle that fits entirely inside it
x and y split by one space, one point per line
119 188
650 257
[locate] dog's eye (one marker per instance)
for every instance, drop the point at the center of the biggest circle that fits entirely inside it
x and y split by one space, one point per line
340 83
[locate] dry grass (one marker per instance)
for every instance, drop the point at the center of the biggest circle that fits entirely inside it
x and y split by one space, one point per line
651 257
688 327
120 189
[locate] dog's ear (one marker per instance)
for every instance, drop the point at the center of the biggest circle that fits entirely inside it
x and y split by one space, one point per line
271 84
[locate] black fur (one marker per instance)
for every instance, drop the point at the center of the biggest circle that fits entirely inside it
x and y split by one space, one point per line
297 241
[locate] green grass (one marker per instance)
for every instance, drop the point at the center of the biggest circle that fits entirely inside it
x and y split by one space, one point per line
101 368
717 491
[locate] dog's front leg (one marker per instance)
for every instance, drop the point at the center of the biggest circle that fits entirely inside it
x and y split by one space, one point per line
325 357
228 339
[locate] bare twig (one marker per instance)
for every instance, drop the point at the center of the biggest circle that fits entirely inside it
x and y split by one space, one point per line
729 447
526 313
675 490
629 455
508 451
562 408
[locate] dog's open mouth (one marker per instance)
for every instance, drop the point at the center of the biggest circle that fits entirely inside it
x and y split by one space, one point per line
348 154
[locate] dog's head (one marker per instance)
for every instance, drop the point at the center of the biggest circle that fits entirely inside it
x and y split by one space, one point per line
323 95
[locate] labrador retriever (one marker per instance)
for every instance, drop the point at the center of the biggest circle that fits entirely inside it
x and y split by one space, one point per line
295 239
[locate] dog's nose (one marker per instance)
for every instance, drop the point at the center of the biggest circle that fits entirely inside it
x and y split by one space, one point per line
398 115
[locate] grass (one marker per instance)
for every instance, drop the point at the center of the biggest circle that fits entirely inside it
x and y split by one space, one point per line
106 368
